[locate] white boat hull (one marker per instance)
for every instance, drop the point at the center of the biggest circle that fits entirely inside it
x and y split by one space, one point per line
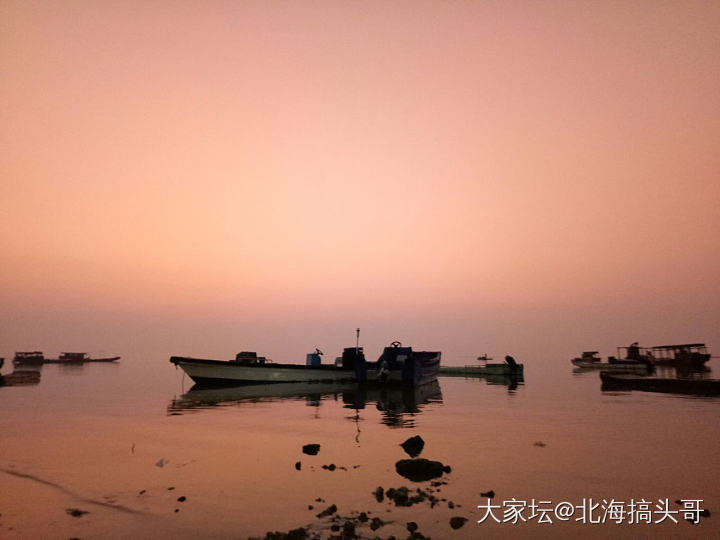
216 371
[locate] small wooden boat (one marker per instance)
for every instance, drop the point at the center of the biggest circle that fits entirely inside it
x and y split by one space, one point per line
635 367
481 371
629 358
507 368
587 358
36 357
696 387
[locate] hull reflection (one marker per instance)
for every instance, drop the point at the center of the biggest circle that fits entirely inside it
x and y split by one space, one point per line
393 402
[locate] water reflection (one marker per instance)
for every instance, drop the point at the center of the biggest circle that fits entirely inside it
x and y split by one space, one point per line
511 381
21 376
696 381
398 405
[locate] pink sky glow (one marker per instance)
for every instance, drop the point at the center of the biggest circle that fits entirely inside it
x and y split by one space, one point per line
206 177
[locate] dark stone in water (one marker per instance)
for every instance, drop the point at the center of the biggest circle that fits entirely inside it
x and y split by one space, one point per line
298 465
376 523
349 530
363 517
489 494
183 498
311 449
420 469
295 534
379 494
403 497
457 522
413 446
335 527
330 467
76 512
451 505
412 526
330 510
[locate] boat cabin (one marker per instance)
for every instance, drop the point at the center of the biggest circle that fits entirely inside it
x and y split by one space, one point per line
590 356
29 356
73 357
249 358
695 353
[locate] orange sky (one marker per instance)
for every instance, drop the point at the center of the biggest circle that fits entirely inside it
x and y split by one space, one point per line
205 177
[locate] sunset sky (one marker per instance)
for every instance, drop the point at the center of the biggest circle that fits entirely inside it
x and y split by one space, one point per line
204 177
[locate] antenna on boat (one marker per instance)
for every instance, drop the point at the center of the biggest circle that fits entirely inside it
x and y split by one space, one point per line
357 341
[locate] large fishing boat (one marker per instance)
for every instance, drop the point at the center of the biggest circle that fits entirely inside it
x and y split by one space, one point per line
396 365
249 368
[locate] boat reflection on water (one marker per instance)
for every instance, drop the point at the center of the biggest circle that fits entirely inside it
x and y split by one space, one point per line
687 380
397 403
511 380
21 376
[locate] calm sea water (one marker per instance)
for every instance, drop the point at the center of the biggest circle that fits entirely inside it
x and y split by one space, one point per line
124 442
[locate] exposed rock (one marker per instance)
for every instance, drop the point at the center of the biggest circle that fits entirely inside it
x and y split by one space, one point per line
540 444
376 523
489 494
298 465
76 512
182 498
451 505
413 446
402 496
311 449
412 526
295 534
457 522
330 467
363 517
349 530
420 469
330 510
379 494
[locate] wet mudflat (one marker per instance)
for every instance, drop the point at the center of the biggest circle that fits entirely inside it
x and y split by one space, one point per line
133 451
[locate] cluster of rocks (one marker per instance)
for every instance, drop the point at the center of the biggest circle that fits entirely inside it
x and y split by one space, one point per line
414 469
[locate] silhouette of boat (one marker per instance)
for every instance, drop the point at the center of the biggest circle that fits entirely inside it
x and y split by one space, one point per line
397 364
688 355
624 381
508 368
402 365
37 357
631 358
249 368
